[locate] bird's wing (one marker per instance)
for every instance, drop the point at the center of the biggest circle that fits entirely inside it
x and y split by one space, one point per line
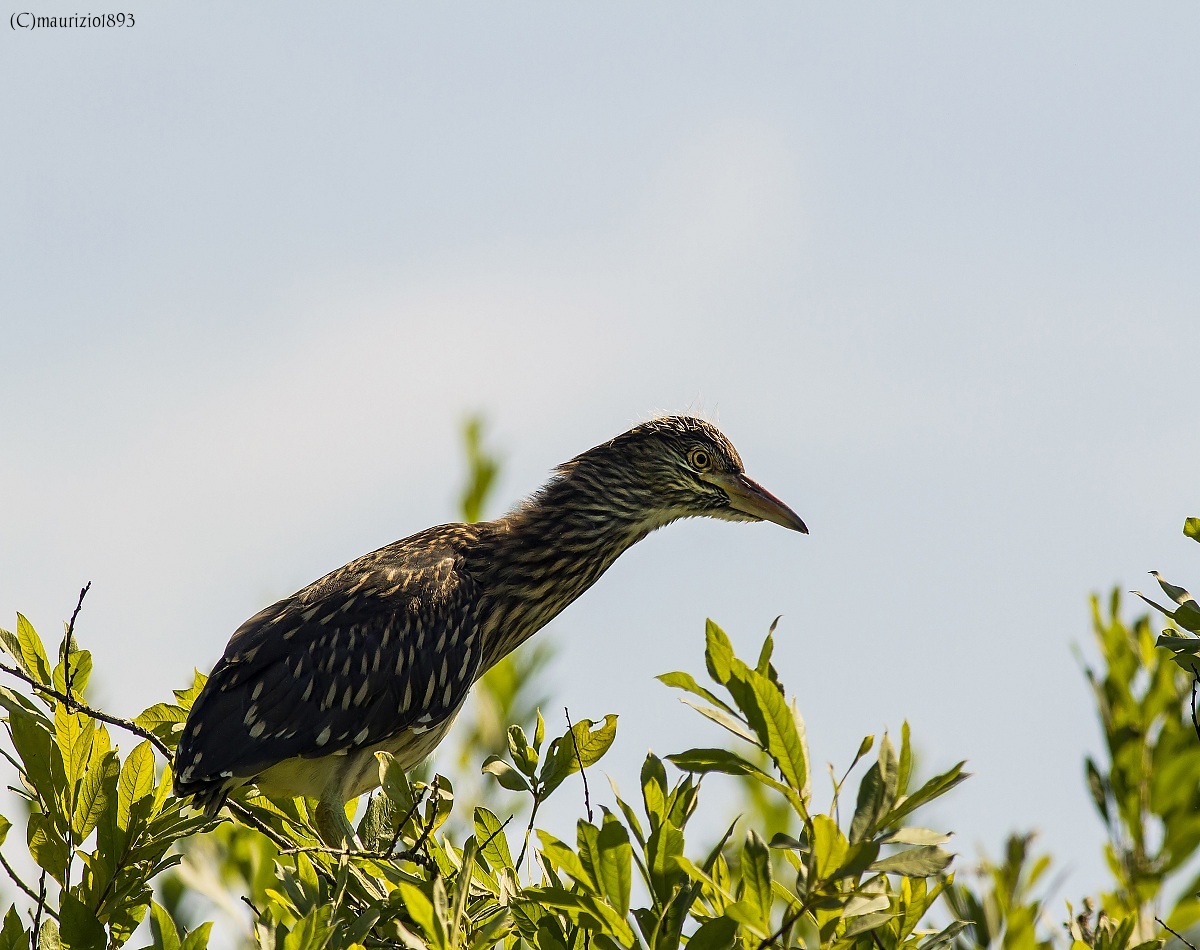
349 662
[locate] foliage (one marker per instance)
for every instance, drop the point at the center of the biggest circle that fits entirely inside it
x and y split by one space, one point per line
103 829
870 884
1007 914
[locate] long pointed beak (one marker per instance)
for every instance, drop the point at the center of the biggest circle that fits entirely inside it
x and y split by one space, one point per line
750 498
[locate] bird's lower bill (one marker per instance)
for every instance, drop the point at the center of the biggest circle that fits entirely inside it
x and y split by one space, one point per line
750 498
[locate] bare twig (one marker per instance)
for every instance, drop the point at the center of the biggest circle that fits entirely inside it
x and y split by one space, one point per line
1195 720
537 801
492 837
76 706
1161 923
68 674
37 917
789 920
15 878
408 815
587 799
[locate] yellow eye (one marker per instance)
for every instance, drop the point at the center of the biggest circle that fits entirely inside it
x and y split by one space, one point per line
699 459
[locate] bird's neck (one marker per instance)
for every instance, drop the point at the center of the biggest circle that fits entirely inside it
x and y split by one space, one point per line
538 559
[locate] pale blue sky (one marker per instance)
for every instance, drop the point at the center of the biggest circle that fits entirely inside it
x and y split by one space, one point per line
934 269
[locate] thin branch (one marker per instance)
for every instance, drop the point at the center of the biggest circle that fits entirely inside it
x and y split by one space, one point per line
1176 933
789 920
492 837
537 801
69 675
409 814
15 878
1195 720
37 917
587 799
76 706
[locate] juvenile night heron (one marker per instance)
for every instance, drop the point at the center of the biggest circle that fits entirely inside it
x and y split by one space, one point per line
380 654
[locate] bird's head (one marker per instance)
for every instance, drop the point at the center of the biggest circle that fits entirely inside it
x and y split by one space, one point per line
677 467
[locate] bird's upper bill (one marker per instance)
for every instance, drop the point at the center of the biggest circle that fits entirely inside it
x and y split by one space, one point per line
750 498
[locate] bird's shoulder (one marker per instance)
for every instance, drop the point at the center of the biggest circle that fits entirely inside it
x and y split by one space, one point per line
423 575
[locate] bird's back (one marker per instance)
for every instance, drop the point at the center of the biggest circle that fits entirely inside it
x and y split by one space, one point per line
386 646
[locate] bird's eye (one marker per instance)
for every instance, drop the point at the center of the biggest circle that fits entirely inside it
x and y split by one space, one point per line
699 460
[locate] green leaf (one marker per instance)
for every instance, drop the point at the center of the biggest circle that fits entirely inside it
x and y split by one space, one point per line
725 720
166 936
81 672
394 783
47 846
718 653
590 912
716 934
493 844
921 861
13 935
935 788
505 774
93 799
186 697
33 654
136 782
524 757
165 720
756 879
562 857
664 845
778 726
687 682
1191 528
198 938
829 846
615 869
5 826
582 745
911 835
48 938
704 761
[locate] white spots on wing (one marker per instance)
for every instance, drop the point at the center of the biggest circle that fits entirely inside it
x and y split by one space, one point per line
346 666
407 697
259 728
429 692
363 663
362 693
347 696
308 614
348 604
323 737
446 695
307 691
375 662
258 688
251 715
441 642
328 700
399 662
362 736
445 671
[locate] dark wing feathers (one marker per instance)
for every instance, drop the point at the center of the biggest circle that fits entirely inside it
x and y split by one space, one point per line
388 643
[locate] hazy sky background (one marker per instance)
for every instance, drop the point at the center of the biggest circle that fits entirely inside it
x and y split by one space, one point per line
934 269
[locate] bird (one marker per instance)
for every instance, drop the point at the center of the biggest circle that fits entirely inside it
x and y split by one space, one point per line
380 654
